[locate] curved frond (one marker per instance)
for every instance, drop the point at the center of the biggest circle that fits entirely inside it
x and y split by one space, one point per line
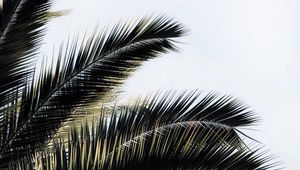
84 73
7 10
19 42
177 146
219 114
22 29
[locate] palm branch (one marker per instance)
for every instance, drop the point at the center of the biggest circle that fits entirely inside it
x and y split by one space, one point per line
85 71
167 132
22 29
22 26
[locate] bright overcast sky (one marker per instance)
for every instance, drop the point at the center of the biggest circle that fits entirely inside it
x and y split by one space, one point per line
246 48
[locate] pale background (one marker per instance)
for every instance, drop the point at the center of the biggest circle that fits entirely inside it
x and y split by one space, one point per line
246 48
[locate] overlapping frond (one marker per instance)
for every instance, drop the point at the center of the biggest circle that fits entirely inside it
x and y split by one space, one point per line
7 9
84 73
22 29
181 145
217 113
23 32
166 131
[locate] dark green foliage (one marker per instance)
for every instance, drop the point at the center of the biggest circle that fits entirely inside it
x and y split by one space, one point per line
32 109
129 137
166 131
22 29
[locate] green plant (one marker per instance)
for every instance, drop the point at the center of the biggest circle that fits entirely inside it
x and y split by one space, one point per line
166 131
174 132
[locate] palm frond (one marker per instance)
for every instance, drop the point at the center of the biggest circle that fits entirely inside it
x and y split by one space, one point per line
84 73
7 9
21 33
219 114
176 146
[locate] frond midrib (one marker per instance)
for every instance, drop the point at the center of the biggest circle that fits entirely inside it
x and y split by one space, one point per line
68 80
162 127
7 25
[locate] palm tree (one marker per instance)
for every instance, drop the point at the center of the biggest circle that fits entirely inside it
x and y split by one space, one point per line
160 132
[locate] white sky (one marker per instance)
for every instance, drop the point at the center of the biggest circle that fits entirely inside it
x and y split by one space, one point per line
247 48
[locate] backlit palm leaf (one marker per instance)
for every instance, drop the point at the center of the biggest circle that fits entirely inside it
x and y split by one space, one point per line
125 139
21 31
84 73
166 131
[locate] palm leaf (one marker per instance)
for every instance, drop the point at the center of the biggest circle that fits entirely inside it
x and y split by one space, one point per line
84 73
7 9
176 146
219 114
22 29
